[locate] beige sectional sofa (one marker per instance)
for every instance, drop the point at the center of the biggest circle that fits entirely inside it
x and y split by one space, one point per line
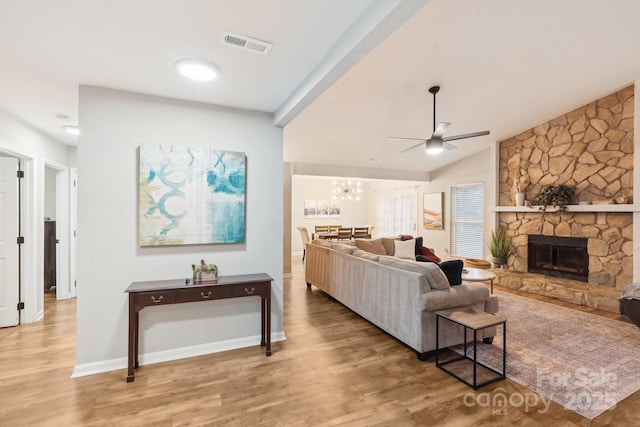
399 296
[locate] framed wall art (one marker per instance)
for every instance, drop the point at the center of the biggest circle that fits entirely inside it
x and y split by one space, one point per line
190 195
432 208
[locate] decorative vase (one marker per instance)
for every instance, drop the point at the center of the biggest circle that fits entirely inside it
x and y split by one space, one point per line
499 261
519 199
209 276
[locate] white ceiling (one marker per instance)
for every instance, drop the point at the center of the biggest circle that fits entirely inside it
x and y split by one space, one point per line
335 77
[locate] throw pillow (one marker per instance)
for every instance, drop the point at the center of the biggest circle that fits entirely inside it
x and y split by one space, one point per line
453 270
372 246
418 245
404 249
428 253
389 245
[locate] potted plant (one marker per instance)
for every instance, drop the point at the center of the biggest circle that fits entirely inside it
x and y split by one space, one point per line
558 196
204 272
500 246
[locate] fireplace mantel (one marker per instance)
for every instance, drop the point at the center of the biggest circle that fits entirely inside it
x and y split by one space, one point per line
571 208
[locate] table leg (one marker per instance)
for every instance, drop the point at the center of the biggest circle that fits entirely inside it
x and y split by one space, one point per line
491 286
133 326
268 328
263 326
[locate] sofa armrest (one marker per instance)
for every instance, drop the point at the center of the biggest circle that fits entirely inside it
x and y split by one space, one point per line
491 305
456 296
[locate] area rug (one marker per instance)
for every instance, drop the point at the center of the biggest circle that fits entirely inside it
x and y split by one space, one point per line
584 362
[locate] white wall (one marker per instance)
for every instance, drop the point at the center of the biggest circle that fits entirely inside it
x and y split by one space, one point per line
114 124
352 213
476 168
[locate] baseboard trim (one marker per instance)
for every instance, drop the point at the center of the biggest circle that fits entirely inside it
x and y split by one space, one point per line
92 368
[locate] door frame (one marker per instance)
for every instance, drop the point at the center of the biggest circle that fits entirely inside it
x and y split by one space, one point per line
63 284
31 272
32 227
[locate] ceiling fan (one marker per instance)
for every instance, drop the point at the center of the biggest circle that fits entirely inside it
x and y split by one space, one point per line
438 141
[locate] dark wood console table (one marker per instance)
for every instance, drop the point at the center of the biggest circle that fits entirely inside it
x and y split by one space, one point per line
163 292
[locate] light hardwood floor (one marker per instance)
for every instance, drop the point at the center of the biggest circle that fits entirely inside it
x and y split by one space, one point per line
334 369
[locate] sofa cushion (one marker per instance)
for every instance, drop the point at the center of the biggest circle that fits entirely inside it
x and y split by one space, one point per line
404 249
453 270
389 245
435 276
366 255
373 246
347 249
322 242
457 296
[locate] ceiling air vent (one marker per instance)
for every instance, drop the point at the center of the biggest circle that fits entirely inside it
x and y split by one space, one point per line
247 43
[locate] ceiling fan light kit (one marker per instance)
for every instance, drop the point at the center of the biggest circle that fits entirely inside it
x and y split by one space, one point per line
438 142
434 146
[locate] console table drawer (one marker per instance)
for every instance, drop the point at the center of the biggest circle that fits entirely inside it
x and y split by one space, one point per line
248 290
204 294
146 299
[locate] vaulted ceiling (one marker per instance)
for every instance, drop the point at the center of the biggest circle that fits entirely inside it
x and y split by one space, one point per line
342 76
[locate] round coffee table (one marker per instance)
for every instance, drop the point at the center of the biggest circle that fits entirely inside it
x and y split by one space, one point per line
478 275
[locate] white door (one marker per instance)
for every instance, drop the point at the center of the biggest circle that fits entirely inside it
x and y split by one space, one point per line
8 241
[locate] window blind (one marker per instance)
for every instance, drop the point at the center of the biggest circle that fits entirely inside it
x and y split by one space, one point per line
467 220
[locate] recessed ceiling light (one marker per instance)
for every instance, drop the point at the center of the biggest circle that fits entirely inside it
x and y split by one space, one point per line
73 130
197 69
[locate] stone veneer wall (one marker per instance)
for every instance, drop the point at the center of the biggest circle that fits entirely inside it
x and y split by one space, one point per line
590 149
610 241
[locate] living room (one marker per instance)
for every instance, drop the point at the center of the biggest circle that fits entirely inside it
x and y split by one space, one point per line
350 377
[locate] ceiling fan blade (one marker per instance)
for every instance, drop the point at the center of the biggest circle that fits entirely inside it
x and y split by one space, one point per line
448 146
406 139
466 135
441 129
422 141
414 146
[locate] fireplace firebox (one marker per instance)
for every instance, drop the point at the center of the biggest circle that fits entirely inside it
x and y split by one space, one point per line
559 256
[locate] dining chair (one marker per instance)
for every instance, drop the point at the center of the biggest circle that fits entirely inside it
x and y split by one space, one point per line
345 233
361 233
322 228
304 235
334 228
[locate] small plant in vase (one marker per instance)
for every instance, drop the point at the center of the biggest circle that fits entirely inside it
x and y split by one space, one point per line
500 246
204 272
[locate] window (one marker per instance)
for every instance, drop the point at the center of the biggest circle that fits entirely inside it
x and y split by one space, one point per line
467 220
397 211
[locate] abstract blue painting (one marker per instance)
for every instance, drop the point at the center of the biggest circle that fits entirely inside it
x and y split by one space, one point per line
190 196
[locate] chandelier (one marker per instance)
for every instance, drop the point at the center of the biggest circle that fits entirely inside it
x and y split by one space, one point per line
346 190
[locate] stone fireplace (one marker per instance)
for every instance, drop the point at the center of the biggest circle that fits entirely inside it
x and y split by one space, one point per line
558 256
590 149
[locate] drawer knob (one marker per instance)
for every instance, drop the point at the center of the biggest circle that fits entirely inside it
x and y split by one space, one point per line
205 296
153 298
249 292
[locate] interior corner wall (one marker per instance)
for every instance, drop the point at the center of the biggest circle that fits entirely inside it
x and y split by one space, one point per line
114 124
473 169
